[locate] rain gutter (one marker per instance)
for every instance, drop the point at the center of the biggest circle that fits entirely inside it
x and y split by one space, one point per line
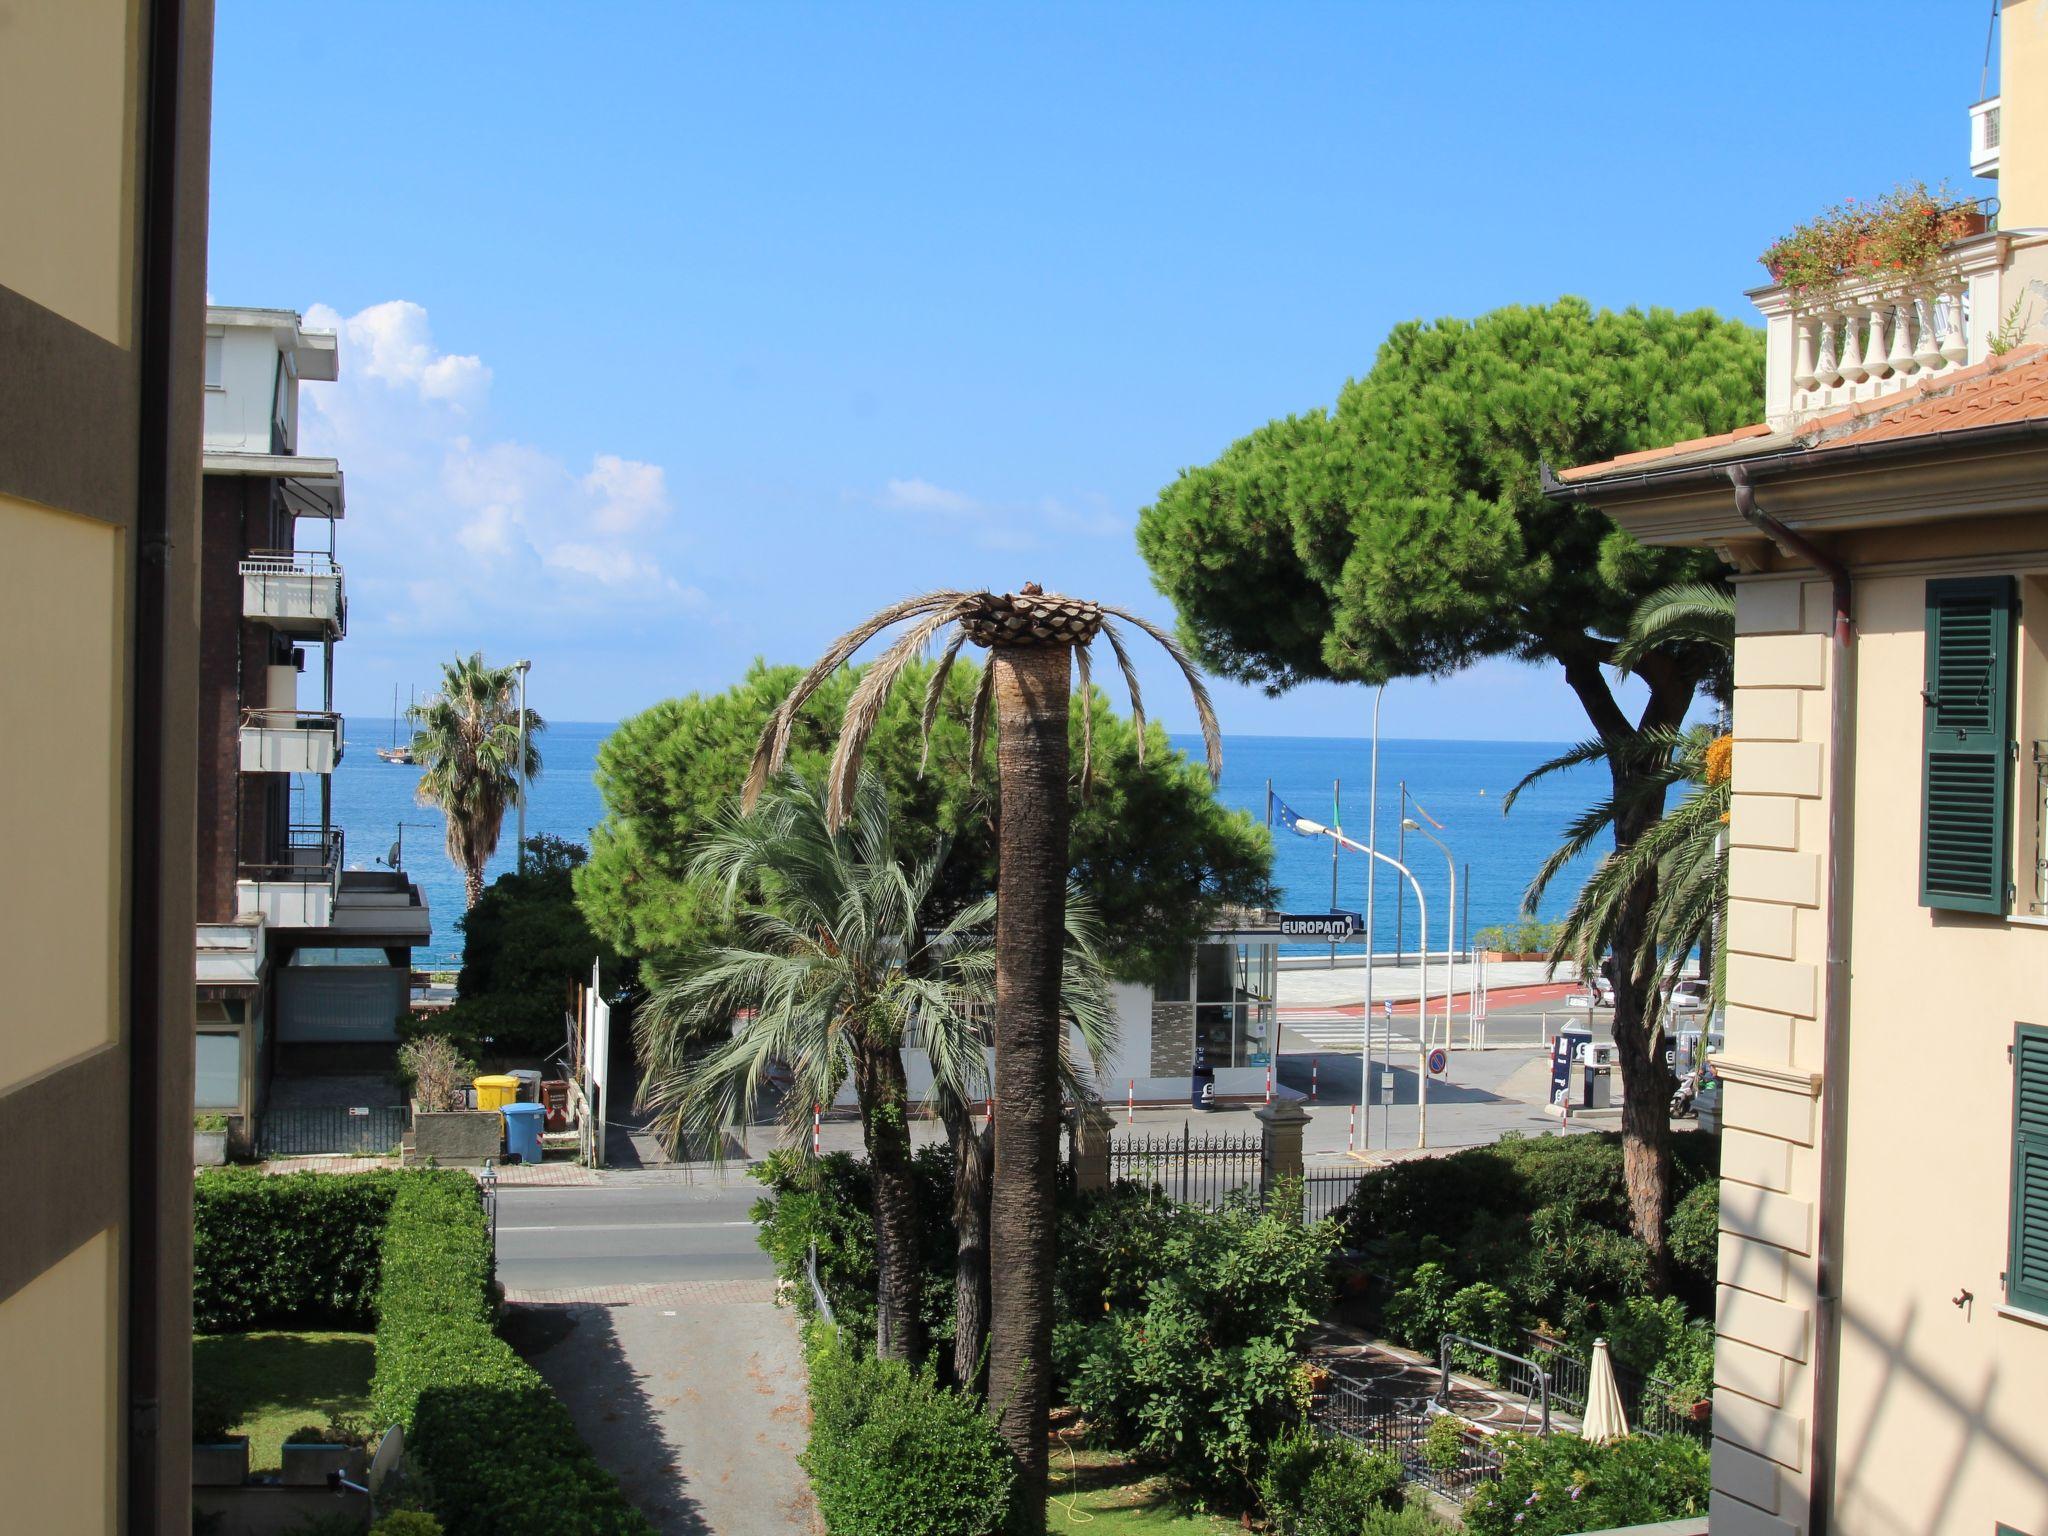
1832 1146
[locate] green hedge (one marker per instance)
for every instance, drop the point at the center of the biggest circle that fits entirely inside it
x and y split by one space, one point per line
499 1451
892 1453
283 1252
1559 1485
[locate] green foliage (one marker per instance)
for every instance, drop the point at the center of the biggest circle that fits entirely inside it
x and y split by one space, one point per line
829 1201
1560 1485
406 1522
1525 1232
1696 1231
1151 843
1323 1485
497 1447
466 740
1443 1443
1201 1374
1406 532
892 1453
523 943
211 1120
213 1413
1658 1338
1524 936
285 1251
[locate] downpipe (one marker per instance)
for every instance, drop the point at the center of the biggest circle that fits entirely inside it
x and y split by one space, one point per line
1834 1006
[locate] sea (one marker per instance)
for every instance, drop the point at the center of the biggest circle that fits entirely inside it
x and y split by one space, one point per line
1455 788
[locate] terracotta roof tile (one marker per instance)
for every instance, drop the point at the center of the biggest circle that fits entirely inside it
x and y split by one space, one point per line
1991 393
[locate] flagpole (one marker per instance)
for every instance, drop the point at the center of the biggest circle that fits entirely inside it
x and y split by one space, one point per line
1372 869
1336 820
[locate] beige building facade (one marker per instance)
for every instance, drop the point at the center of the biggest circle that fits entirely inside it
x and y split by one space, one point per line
103 164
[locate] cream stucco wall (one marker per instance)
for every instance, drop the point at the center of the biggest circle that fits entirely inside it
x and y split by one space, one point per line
2023 113
62 623
67 88
57 1413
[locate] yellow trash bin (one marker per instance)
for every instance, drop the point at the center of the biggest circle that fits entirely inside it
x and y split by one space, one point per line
495 1092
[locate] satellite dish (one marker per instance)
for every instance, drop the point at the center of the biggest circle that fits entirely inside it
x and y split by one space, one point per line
390 1451
391 858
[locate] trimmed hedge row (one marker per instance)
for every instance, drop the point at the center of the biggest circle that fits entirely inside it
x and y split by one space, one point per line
893 1453
500 1453
283 1252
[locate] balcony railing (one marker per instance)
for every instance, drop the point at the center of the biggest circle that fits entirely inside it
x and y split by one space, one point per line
297 890
290 741
298 592
1880 337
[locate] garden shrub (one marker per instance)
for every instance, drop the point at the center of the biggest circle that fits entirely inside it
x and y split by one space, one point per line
1201 1375
497 1447
1559 1485
1658 1338
290 1251
893 1453
1323 1485
1443 1443
406 1522
1695 1231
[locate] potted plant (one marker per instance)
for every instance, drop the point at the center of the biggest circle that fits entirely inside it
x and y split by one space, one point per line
219 1459
209 1139
445 1131
312 1451
1898 241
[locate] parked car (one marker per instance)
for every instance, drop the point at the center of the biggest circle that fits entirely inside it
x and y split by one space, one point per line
1689 995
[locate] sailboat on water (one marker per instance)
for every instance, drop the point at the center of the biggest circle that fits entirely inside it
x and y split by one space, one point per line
397 752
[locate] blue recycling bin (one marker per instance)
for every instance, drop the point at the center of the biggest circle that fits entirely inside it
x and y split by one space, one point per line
522 1131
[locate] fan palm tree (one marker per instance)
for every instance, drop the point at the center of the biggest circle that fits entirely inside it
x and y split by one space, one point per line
834 970
1035 640
466 739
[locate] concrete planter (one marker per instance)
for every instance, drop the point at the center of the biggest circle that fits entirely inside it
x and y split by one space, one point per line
222 1465
209 1149
306 1464
457 1138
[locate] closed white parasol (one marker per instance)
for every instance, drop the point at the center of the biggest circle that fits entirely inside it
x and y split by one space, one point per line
1605 1419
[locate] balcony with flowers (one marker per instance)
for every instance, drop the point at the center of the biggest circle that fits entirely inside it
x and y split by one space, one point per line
1874 298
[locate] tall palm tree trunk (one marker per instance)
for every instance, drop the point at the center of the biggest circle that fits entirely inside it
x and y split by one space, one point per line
885 1126
472 884
973 1151
1031 692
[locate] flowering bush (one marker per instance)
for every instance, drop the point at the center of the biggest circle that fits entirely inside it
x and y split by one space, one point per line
1559 1485
1900 236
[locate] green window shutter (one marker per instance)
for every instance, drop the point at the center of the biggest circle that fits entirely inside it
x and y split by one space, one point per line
1966 785
2026 1265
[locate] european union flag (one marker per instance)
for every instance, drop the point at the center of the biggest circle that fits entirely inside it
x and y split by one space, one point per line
1293 821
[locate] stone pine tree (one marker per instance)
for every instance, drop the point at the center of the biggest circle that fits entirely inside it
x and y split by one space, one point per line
1406 534
1036 640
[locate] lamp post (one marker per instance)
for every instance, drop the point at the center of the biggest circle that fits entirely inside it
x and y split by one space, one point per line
1372 869
520 860
1450 936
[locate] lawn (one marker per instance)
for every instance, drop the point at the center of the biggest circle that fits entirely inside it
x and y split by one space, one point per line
1102 1493
278 1382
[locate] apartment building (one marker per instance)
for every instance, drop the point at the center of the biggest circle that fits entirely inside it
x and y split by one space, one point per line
1882 1363
103 119
299 956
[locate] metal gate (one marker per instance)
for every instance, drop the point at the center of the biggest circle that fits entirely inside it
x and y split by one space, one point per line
1195 1170
306 1131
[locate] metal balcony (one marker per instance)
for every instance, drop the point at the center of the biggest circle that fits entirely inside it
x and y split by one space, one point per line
299 890
290 741
295 592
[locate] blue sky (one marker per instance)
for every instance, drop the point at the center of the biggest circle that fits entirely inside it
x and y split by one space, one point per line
677 335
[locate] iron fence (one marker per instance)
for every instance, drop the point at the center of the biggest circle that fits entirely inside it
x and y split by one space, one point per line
1345 1408
1195 1170
307 1131
1322 1194
1653 1405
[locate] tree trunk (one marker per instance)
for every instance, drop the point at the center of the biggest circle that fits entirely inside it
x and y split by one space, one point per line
1645 1084
472 884
885 1127
972 1153
1031 693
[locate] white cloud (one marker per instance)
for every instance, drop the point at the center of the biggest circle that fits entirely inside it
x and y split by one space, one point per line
449 528
1001 525
917 495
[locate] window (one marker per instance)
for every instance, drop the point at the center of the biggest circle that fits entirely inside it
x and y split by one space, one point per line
214 375
217 1071
1968 747
2026 1270
1234 1018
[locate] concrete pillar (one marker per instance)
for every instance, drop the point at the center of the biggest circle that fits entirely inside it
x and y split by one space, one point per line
1281 1124
1088 1127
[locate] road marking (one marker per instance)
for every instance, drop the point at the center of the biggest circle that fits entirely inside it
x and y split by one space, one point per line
624 1226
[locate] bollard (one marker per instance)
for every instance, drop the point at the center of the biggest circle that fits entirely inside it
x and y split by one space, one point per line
1313 1063
817 1130
1351 1135
1269 1085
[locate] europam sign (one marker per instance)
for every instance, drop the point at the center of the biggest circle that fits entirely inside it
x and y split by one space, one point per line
1320 925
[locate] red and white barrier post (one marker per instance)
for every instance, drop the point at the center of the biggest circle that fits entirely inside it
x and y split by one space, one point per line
1351 1135
1131 1102
1269 1085
1313 1063
817 1130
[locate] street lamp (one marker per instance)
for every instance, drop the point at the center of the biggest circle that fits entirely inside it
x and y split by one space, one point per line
1372 869
1450 928
521 668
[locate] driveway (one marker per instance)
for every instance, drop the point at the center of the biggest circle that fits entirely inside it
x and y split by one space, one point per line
648 1306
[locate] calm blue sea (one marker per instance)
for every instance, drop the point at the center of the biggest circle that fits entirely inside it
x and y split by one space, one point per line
1459 783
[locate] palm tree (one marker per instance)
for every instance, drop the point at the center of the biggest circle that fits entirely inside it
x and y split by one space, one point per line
835 968
1034 639
467 741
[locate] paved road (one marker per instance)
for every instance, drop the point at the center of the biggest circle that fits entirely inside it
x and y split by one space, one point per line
648 1305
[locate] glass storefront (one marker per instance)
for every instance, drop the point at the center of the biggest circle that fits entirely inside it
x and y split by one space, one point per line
217 1071
1233 987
